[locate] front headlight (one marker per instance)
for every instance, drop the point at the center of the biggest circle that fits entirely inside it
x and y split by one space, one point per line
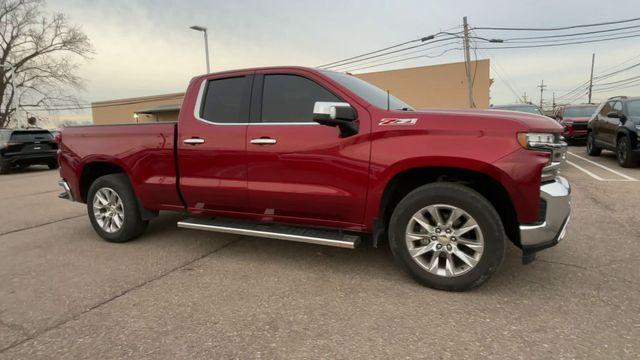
638 127
537 140
551 143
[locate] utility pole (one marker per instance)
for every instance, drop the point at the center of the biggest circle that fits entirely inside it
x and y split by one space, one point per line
467 62
541 86
524 98
553 103
593 59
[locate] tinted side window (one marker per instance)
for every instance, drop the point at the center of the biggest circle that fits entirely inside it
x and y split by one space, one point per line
290 98
606 108
226 101
617 106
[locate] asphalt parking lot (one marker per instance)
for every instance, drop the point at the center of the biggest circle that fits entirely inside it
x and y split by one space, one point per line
175 293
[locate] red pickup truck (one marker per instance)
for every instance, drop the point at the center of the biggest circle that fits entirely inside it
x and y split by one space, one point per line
323 157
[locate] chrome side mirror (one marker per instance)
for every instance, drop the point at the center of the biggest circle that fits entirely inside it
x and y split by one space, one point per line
338 114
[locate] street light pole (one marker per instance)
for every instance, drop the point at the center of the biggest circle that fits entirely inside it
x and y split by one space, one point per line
206 43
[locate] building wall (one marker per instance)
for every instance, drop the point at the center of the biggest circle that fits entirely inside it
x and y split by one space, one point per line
123 110
437 86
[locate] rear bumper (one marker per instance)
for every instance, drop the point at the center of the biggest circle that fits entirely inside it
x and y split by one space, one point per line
32 159
551 231
66 193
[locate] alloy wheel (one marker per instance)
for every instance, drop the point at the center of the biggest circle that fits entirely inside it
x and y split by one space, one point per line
444 240
108 210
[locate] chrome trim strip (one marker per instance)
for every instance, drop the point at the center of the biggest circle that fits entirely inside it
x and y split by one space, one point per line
271 235
196 114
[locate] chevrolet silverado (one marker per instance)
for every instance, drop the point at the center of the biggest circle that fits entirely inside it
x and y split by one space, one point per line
323 157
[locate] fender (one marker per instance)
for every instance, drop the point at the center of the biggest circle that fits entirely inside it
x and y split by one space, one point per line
518 172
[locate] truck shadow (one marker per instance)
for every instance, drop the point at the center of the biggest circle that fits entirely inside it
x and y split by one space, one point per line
368 264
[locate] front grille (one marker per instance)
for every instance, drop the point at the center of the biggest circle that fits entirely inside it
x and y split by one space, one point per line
579 126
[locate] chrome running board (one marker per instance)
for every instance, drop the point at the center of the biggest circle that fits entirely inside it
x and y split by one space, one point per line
327 237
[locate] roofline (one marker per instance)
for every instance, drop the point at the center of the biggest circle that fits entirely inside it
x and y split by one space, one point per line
149 97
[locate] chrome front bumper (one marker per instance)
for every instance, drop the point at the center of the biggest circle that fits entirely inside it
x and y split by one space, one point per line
66 193
536 237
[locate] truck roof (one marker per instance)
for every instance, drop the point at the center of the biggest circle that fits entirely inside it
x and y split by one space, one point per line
249 70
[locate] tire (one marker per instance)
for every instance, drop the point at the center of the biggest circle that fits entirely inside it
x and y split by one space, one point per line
624 154
5 168
131 223
447 197
53 165
592 148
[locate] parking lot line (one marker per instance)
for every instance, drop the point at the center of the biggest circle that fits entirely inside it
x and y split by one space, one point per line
627 177
594 175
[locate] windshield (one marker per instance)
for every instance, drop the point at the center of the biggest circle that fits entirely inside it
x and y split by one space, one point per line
579 112
633 107
523 108
370 93
31 135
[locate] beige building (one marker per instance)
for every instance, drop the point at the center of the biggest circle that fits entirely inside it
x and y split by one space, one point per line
436 86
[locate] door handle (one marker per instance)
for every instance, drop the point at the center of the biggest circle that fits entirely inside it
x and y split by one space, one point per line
263 141
194 141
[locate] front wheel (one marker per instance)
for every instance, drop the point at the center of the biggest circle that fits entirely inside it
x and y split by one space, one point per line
113 209
447 236
592 148
624 153
53 165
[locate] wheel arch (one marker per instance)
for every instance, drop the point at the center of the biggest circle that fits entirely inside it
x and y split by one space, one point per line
408 179
93 170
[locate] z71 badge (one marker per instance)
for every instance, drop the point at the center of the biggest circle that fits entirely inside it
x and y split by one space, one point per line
395 121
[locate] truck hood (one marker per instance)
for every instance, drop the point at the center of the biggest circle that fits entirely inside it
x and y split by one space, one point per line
527 122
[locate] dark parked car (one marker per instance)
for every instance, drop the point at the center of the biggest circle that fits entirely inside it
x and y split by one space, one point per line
527 108
574 119
615 127
22 148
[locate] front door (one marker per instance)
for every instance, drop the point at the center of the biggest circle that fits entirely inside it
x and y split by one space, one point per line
300 171
212 146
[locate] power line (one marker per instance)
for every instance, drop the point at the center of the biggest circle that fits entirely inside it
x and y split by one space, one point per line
605 36
353 66
424 40
386 53
572 34
409 58
561 44
557 28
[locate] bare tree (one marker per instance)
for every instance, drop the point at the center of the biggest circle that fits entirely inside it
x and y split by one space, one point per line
37 58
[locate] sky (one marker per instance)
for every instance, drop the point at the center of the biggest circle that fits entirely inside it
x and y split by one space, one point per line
145 47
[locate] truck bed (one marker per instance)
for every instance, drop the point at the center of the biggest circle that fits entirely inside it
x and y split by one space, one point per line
146 152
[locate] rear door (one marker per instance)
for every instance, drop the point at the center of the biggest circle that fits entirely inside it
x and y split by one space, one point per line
611 124
212 145
599 125
300 171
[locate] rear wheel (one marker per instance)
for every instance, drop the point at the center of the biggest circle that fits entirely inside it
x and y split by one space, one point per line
592 148
5 167
624 153
113 209
447 236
